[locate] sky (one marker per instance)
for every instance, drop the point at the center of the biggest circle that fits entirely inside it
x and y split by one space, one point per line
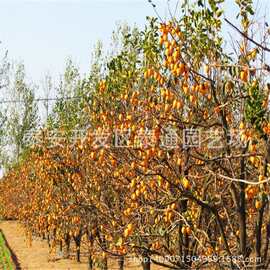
44 33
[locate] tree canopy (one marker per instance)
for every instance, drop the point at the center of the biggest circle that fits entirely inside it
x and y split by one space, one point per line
173 165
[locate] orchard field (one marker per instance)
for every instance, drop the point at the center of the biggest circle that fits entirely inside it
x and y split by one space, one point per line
161 153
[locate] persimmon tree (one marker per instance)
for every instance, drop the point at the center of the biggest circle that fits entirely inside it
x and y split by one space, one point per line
174 166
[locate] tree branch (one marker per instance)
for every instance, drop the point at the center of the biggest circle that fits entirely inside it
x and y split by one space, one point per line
247 37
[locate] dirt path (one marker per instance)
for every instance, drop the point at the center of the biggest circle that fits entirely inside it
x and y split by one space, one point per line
36 257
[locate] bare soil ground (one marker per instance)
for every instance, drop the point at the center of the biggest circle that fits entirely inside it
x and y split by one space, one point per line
37 256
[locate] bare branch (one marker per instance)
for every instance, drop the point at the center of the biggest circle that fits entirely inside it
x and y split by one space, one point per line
247 37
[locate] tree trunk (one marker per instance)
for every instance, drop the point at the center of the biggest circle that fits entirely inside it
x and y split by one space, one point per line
183 240
242 223
67 245
242 212
90 258
90 262
146 265
105 264
61 246
121 262
77 240
258 234
146 261
48 240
